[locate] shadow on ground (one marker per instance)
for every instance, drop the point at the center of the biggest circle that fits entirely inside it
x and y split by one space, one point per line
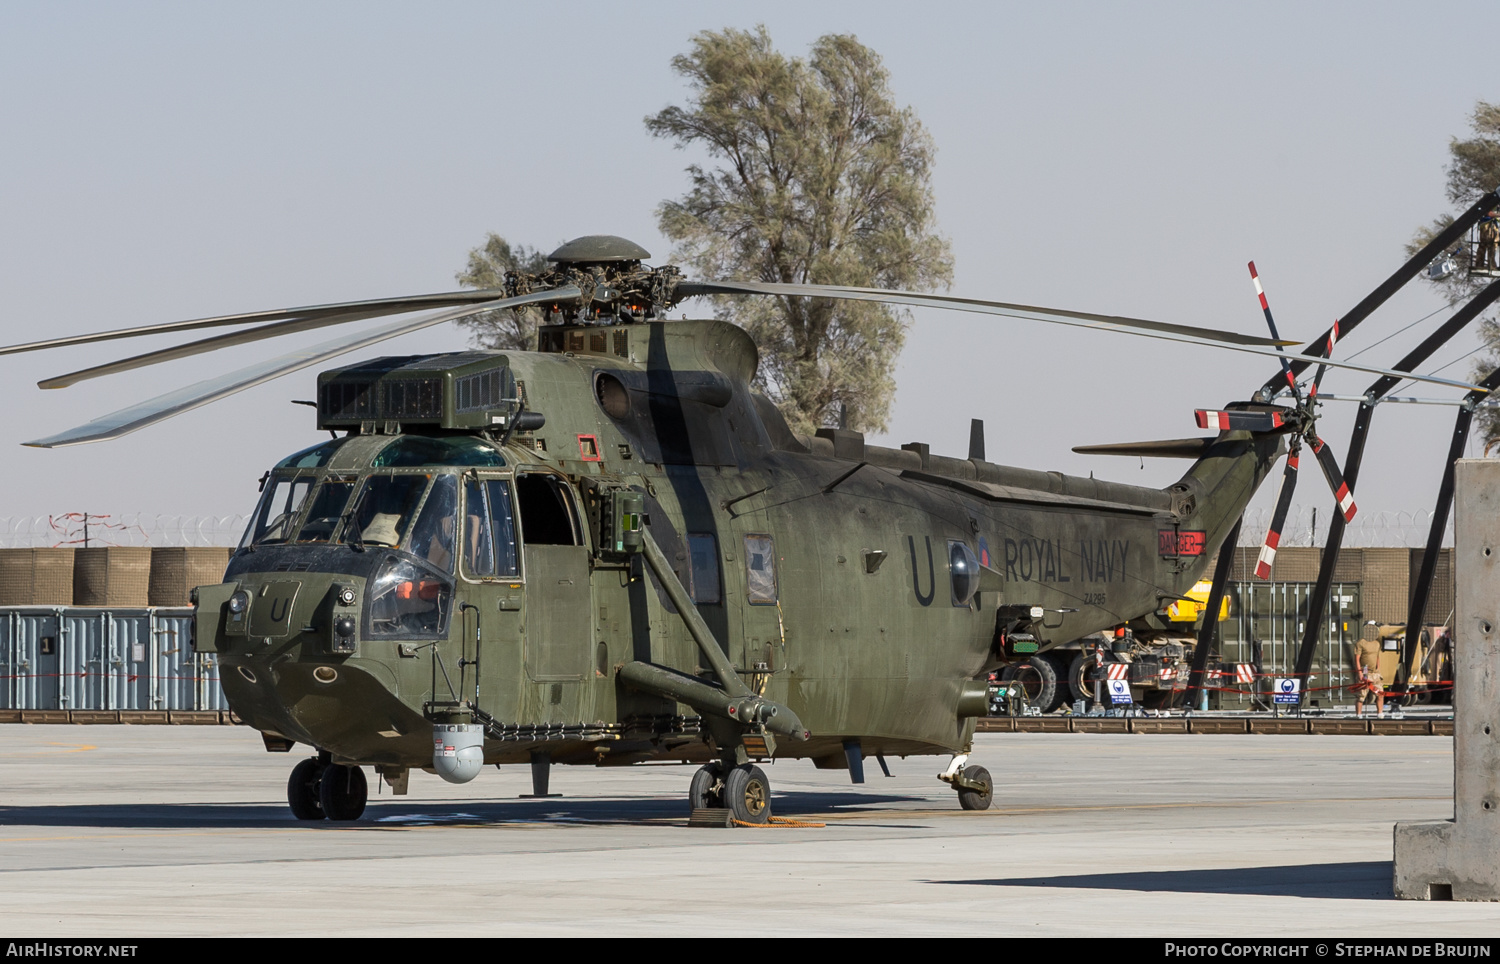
388 813
1360 881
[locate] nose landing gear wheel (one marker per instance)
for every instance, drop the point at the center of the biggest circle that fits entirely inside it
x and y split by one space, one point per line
302 790
706 792
747 794
343 792
981 789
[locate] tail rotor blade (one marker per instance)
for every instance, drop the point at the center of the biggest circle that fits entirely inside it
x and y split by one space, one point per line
1333 339
1335 479
1278 519
1265 307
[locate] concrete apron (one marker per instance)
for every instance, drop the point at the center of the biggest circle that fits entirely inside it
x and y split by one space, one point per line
1459 859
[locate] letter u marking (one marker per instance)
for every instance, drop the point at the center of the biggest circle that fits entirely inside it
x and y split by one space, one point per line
916 582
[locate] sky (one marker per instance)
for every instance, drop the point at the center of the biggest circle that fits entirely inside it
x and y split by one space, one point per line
163 161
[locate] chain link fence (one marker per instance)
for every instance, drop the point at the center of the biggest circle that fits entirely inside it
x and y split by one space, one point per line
130 529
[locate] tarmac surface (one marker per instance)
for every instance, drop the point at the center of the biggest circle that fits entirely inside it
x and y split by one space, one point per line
168 831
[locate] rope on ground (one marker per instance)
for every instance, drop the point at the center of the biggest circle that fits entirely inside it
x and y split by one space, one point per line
777 822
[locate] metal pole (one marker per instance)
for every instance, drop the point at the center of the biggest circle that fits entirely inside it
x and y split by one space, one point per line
1208 629
1390 286
1379 388
1420 592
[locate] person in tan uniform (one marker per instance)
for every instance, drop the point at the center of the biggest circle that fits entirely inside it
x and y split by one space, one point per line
1367 664
1487 254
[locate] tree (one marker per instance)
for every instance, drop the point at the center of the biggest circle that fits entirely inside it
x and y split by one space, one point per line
1473 170
511 329
821 178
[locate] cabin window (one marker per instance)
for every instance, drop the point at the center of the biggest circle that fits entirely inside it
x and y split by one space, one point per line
703 549
326 509
547 517
489 530
963 571
760 570
278 511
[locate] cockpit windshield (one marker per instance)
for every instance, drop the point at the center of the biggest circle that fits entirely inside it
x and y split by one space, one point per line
384 509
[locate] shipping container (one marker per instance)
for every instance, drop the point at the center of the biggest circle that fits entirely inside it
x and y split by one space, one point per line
73 658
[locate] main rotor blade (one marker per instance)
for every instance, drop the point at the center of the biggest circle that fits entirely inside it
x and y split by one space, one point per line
1020 311
361 309
920 299
1267 556
194 396
188 349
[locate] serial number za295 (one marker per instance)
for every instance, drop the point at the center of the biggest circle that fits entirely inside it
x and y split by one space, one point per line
1094 598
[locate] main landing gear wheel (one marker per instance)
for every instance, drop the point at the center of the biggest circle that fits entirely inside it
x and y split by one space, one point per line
706 792
343 792
302 790
747 794
980 792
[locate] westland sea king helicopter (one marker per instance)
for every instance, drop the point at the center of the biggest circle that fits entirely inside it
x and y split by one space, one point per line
613 550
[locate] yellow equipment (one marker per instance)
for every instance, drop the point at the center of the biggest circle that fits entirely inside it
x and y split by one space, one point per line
1187 610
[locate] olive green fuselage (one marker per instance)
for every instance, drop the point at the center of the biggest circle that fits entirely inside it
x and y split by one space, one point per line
830 572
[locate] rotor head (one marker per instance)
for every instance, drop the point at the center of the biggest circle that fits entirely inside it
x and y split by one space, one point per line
598 249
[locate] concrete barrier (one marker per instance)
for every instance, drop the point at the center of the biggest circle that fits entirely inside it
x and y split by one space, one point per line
1459 859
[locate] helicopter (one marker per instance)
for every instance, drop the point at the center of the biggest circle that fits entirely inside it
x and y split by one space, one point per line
613 550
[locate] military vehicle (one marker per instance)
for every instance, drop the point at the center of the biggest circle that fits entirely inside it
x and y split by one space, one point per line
613 550
1431 678
1153 653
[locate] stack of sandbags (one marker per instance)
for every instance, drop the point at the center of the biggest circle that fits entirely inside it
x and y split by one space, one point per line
176 570
36 577
112 576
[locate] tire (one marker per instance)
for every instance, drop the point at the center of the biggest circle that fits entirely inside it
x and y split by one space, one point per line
1038 677
977 799
302 790
343 792
1060 661
706 792
1083 689
747 794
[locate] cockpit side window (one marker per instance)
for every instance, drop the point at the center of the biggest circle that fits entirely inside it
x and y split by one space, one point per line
384 509
489 530
547 517
278 511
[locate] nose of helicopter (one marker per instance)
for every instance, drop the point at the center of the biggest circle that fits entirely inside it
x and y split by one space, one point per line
293 663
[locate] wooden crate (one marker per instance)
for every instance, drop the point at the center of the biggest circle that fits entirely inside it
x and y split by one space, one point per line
176 570
112 576
36 577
